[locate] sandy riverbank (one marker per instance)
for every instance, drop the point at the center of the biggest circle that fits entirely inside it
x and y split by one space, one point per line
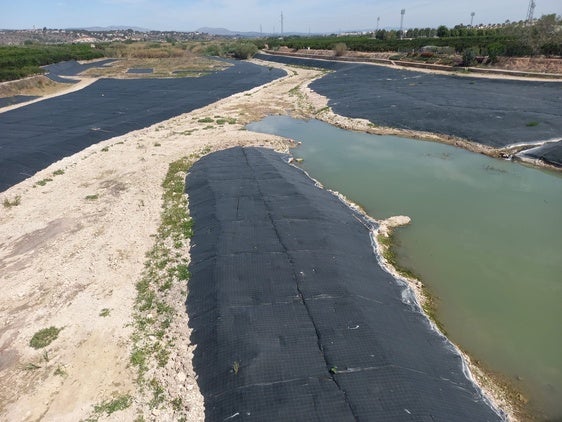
75 246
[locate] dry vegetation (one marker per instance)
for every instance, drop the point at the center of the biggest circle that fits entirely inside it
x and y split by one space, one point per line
34 85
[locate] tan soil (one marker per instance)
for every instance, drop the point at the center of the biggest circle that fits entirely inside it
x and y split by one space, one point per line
34 85
64 258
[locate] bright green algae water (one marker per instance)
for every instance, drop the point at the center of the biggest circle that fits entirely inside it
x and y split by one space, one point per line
485 237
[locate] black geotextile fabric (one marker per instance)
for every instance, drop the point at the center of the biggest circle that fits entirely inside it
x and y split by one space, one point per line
35 136
16 99
71 68
495 112
293 318
550 153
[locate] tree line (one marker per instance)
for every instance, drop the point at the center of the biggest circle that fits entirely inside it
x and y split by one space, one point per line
543 37
20 61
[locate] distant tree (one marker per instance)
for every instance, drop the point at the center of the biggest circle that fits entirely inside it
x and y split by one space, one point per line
442 31
243 50
468 57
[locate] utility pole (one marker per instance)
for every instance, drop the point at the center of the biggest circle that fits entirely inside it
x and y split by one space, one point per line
402 13
472 18
530 12
281 23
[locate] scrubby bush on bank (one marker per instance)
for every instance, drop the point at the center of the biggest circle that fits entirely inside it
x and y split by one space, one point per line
19 62
239 50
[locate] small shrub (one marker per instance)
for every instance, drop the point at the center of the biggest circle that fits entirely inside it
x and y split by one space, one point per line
58 172
105 312
92 197
12 203
31 367
468 57
182 272
43 182
60 372
340 49
243 50
44 337
532 124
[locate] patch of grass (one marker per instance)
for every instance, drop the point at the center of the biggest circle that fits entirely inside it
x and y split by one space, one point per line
43 182
60 372
166 265
182 272
108 407
92 197
157 144
58 172
105 312
208 127
206 120
9 203
105 149
31 367
532 124
295 91
322 110
390 255
44 337
46 355
139 358
157 394
162 356
177 404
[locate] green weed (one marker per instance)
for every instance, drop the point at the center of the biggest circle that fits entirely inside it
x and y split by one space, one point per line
43 182
12 203
205 120
105 312
108 407
44 337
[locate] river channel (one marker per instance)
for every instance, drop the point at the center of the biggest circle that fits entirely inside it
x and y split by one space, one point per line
485 237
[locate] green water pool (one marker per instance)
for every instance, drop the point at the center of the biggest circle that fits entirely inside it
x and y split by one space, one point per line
485 237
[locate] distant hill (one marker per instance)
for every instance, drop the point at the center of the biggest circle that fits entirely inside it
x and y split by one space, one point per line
223 32
113 28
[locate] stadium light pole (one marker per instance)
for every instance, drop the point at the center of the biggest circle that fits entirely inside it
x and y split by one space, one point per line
472 18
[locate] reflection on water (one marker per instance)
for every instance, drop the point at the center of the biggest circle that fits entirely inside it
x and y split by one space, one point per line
486 237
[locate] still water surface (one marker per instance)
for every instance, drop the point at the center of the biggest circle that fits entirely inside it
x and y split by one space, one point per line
486 238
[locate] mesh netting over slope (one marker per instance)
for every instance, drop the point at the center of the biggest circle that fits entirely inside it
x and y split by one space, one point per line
292 316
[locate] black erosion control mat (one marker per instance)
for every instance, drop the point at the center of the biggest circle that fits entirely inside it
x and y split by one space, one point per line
494 112
293 317
35 136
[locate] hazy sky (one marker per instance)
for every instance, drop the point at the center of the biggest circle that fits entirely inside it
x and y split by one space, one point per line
248 15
